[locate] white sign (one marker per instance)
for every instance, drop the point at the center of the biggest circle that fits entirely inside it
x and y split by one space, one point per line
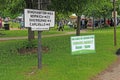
83 44
39 19
115 14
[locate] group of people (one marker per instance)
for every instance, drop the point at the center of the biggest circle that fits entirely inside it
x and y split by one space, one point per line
107 22
71 24
110 22
83 24
3 21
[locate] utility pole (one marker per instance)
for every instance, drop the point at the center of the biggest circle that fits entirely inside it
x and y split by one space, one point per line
114 15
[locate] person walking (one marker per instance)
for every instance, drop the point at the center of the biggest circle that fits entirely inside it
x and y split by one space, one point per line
83 24
60 25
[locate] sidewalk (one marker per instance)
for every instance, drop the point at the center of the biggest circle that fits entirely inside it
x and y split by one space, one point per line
111 73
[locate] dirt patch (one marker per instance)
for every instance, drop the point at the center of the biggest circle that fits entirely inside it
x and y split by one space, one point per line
31 72
32 50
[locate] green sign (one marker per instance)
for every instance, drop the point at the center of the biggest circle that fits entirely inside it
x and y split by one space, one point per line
83 44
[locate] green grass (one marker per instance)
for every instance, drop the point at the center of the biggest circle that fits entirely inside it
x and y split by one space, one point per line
58 63
21 33
13 33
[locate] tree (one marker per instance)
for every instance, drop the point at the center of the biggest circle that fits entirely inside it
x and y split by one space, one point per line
69 6
13 8
31 4
87 7
100 8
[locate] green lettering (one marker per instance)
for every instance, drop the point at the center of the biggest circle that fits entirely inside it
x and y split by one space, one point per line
78 47
87 46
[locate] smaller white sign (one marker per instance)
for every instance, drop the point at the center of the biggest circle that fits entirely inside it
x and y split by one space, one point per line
40 28
83 44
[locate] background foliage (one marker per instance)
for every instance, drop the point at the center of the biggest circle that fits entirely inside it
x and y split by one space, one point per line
100 8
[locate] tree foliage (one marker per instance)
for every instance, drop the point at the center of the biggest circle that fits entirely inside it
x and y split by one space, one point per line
87 7
98 8
11 8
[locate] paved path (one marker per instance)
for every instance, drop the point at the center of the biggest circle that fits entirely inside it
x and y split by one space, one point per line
111 73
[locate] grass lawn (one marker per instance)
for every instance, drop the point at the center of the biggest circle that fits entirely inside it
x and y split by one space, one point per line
24 32
58 63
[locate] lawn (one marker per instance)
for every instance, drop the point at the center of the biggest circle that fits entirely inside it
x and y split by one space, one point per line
24 32
58 63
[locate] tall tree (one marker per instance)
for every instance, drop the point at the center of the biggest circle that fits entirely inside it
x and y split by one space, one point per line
87 7
31 4
11 8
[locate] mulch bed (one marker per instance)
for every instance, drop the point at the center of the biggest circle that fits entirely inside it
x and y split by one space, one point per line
32 50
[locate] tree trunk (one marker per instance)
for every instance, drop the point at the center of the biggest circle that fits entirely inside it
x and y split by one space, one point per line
30 5
78 26
31 34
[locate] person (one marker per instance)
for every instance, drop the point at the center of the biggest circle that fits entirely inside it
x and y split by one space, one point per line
21 24
86 21
60 25
70 24
0 23
96 23
108 21
111 22
82 24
